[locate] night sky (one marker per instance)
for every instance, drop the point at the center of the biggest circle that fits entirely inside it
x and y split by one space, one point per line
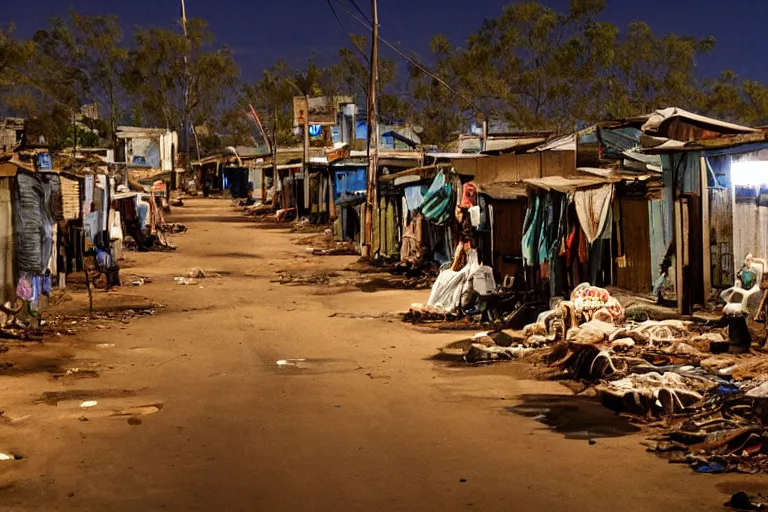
262 31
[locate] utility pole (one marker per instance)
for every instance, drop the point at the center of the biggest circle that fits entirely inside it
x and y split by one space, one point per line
373 138
275 176
188 162
307 202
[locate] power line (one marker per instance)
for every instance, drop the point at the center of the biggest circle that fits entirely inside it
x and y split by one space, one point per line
362 13
365 58
412 61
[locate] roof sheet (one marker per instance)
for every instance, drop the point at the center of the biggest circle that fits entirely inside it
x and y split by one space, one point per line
503 191
659 117
566 184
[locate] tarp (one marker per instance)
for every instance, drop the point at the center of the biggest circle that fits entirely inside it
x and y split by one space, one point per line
30 200
592 207
450 284
439 200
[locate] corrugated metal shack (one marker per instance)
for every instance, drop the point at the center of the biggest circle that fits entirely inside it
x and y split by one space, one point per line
715 177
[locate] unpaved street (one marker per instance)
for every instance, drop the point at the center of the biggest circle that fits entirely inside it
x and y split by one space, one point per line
194 413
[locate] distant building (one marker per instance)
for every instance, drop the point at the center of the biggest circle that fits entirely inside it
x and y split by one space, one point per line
147 147
11 133
90 111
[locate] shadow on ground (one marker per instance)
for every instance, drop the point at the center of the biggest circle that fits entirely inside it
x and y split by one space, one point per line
575 417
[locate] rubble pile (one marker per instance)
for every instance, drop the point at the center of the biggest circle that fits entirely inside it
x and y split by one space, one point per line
708 409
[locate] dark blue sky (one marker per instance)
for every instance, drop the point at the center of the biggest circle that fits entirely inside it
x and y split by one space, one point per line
262 31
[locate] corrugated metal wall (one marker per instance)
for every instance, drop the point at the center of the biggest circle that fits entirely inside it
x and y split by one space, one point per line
721 238
750 231
660 235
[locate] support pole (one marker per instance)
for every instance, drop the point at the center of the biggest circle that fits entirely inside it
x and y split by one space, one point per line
187 163
306 162
706 234
373 137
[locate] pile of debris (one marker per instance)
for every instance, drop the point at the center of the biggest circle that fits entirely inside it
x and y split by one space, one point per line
325 245
711 407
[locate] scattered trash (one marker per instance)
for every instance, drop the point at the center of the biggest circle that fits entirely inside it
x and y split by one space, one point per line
138 282
6 456
134 421
184 281
291 362
462 480
198 273
742 501
89 403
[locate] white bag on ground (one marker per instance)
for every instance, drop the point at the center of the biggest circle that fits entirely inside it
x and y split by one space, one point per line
449 286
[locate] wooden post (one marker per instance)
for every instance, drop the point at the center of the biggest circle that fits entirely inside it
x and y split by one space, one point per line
331 195
679 256
275 174
373 137
307 201
706 241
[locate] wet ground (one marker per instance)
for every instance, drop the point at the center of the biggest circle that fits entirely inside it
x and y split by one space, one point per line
236 392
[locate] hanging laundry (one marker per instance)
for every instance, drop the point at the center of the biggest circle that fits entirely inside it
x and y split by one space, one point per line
531 232
438 201
592 208
414 197
468 195
88 193
474 216
24 288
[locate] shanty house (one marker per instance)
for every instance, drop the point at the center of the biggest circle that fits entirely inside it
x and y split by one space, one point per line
715 210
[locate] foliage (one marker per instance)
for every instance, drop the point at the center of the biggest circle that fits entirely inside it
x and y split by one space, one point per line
532 67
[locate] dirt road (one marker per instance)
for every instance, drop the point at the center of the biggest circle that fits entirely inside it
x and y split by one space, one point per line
193 412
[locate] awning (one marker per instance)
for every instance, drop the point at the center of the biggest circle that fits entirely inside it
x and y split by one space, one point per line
614 175
503 191
427 172
659 117
566 184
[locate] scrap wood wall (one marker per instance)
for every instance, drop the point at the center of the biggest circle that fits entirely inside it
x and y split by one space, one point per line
634 234
508 218
516 168
7 288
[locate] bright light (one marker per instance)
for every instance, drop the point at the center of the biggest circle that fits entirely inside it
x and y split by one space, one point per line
749 173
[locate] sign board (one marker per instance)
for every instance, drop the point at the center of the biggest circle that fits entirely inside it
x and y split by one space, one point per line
300 111
338 153
321 110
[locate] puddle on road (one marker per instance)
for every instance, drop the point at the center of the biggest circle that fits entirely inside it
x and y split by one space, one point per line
313 366
574 417
54 397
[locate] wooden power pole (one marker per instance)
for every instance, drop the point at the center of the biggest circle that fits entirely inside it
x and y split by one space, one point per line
307 202
373 138
188 162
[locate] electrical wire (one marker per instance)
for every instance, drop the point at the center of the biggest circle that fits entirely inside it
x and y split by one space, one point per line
412 61
359 51
362 13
